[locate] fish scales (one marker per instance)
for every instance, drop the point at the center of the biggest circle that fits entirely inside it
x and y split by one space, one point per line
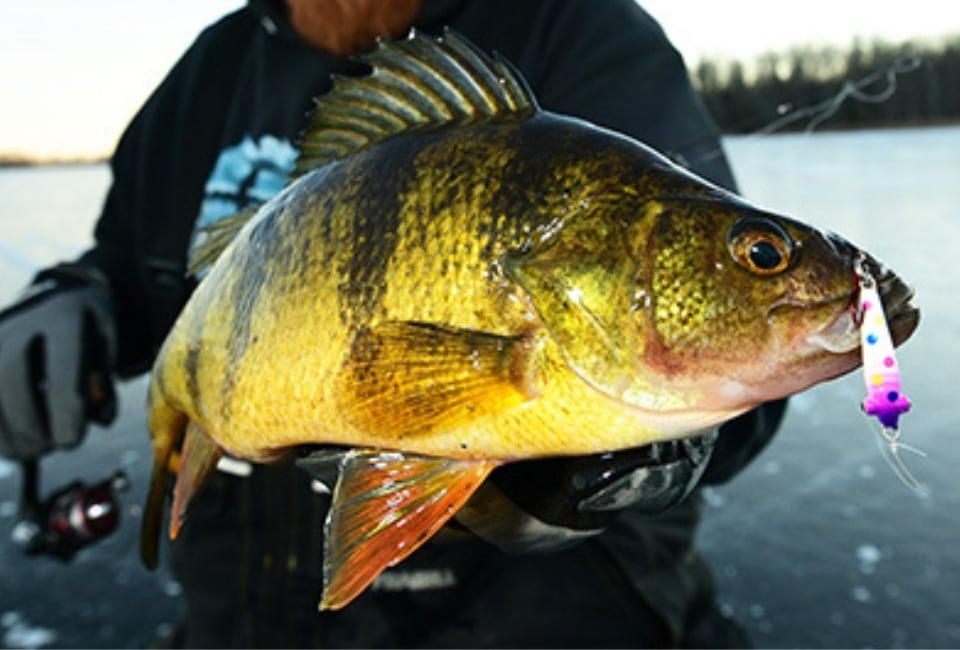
416 241
685 303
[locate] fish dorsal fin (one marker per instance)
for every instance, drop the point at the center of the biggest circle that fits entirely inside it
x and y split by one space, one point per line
420 82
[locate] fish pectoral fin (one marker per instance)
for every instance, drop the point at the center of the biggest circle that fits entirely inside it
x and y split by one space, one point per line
385 506
198 459
406 378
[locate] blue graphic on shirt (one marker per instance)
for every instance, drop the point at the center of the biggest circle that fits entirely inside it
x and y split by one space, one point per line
246 174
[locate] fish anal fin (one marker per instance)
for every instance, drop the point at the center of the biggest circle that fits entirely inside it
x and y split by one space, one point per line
198 459
409 378
385 506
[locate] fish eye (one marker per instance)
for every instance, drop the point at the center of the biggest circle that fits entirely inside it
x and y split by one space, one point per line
760 246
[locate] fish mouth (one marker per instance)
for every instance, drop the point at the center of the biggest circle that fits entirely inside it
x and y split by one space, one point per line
896 296
842 335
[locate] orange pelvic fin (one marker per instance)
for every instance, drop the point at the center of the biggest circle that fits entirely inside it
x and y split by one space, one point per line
198 459
166 428
385 506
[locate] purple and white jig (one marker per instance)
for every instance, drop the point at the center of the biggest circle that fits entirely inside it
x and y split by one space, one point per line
885 399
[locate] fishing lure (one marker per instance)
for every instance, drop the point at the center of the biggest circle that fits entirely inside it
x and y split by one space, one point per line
885 399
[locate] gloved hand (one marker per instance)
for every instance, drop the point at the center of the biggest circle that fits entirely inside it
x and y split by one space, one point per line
548 504
545 505
57 348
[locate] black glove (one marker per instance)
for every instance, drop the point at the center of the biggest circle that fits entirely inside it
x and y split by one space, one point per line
57 348
548 504
545 505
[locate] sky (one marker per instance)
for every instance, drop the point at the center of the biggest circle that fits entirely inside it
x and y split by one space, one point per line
73 73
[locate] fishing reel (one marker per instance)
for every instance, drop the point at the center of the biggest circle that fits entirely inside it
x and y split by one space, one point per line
73 517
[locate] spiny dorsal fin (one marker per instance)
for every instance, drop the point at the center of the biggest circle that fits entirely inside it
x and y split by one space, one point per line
420 82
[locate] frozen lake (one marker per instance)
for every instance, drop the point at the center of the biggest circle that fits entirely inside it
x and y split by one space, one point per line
816 544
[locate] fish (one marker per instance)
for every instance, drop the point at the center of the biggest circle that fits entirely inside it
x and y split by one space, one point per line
455 279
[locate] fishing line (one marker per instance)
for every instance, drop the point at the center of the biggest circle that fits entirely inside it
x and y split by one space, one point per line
852 90
889 444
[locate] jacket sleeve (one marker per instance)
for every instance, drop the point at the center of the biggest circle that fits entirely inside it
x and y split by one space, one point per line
612 64
159 170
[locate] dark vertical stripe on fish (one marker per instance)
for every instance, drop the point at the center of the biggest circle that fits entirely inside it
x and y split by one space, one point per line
373 228
191 365
521 201
257 272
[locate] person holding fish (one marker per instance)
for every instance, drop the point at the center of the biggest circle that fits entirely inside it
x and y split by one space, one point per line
461 296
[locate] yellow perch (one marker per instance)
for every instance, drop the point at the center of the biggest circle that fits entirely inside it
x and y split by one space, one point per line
457 279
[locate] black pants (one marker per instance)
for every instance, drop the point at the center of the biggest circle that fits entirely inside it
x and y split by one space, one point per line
249 559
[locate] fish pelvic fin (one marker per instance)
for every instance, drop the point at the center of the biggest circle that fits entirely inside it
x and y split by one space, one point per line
198 459
385 506
166 428
417 83
410 378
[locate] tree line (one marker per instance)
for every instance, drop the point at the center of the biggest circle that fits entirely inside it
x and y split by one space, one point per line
867 85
